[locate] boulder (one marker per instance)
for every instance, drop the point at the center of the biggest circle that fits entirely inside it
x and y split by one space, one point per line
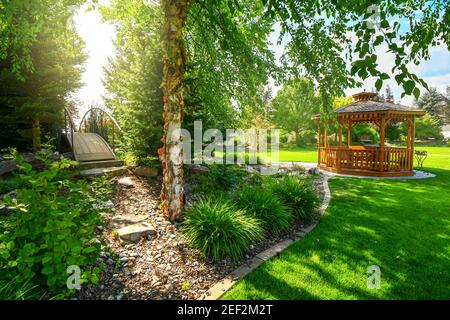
7 166
121 221
135 231
313 171
126 182
146 171
111 171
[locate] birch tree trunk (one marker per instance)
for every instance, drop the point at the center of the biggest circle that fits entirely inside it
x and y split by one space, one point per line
171 154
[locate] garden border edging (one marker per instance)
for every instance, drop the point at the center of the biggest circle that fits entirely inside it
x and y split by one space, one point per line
221 287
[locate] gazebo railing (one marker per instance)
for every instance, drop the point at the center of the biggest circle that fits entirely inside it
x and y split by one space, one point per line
366 158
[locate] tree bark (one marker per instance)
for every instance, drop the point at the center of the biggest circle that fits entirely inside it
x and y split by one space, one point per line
171 154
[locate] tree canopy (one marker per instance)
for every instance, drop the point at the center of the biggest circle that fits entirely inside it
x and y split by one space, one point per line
293 107
41 64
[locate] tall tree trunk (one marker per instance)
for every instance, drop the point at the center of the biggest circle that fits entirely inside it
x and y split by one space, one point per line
36 133
172 193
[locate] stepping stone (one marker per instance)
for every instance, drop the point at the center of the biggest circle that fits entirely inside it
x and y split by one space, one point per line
121 221
113 171
126 182
146 171
135 231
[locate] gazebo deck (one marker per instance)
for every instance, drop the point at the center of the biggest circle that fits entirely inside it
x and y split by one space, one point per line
366 160
382 160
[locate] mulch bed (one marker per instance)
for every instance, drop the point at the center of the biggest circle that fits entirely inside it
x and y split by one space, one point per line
162 266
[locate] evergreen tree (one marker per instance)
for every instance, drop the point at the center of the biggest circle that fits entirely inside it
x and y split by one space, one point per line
33 103
436 104
133 76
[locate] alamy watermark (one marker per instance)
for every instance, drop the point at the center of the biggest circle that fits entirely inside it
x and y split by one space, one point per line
228 146
74 277
374 279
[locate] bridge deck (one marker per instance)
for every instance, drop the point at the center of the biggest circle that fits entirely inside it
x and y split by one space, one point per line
90 147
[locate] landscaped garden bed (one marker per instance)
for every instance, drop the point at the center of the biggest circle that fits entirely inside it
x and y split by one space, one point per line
165 264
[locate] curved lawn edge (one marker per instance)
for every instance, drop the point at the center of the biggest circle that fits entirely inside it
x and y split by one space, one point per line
224 285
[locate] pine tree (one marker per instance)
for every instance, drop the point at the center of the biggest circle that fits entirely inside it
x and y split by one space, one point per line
436 104
32 105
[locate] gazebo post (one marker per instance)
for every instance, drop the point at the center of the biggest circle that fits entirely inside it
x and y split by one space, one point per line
382 127
318 143
349 133
412 140
340 133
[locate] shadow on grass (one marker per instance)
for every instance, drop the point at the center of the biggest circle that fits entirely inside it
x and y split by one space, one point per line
403 226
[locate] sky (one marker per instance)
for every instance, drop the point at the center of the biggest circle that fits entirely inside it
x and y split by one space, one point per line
99 37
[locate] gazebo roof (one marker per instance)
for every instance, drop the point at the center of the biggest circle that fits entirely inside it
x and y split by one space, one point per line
367 102
369 106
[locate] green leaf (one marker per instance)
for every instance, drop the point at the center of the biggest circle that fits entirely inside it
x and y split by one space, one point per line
384 24
416 93
408 86
378 40
12 263
378 84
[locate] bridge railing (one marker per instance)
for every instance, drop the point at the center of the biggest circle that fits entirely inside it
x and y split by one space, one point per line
101 122
69 126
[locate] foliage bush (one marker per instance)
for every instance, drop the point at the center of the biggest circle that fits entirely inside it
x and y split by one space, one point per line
52 227
362 130
219 230
264 205
428 127
221 177
297 194
9 184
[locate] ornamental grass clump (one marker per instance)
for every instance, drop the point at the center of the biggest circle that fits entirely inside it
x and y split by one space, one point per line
297 194
219 230
265 206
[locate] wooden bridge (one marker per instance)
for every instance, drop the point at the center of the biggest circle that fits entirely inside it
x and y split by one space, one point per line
90 149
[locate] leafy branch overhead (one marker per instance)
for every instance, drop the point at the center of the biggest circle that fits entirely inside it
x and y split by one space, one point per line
325 36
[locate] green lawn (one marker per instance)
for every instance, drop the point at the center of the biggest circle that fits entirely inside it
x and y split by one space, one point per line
403 226
297 154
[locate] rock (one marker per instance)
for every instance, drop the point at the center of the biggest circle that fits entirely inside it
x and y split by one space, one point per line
135 231
7 166
198 168
126 182
5 210
12 195
146 171
121 221
112 171
313 171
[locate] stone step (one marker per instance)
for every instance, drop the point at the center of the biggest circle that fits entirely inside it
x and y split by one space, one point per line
112 171
99 164
125 220
134 232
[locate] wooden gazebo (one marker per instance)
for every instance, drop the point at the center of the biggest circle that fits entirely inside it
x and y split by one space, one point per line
369 160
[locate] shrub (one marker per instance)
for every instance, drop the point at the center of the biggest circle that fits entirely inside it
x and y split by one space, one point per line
219 230
51 228
297 194
262 204
9 184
